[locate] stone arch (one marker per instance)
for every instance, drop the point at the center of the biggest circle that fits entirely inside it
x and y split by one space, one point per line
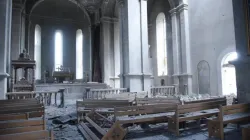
73 1
219 60
203 69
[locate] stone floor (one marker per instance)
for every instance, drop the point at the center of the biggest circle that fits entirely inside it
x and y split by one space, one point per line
70 132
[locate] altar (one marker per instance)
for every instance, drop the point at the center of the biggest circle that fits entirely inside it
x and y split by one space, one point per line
63 74
72 90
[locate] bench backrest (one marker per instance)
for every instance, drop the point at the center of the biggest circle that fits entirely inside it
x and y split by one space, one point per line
199 106
151 101
233 109
22 109
89 103
122 96
16 101
205 100
21 116
20 126
146 109
33 135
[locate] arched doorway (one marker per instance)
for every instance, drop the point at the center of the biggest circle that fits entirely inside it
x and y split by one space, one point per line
228 74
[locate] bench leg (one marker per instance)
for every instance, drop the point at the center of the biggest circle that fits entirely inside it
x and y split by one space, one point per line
215 129
173 127
116 132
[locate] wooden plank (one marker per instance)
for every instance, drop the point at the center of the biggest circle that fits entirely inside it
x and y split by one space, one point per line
16 110
245 133
236 110
84 133
22 123
200 104
205 100
34 135
97 127
147 110
18 100
21 129
198 108
90 133
20 107
225 108
18 104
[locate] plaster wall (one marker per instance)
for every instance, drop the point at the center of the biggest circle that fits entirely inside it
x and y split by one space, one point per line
211 38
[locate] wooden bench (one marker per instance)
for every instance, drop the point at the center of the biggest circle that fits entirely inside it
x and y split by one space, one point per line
205 100
101 106
125 116
33 135
228 114
194 111
245 133
150 101
20 126
20 110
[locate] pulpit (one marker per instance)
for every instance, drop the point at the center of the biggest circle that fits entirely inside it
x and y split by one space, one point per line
24 63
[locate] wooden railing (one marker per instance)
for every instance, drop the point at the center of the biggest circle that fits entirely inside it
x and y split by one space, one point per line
101 93
163 90
44 97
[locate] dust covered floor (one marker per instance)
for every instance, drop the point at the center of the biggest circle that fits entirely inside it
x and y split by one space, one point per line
69 131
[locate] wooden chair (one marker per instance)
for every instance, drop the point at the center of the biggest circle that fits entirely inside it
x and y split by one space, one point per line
194 111
228 114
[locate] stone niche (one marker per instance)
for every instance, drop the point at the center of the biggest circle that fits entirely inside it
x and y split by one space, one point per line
242 68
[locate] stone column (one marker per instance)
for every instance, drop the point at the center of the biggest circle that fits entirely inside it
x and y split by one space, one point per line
134 38
186 76
117 58
90 72
5 37
176 48
144 46
107 50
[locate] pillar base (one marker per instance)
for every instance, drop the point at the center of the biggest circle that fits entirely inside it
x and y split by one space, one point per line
183 82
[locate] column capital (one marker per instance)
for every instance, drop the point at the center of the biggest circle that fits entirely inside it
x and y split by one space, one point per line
173 11
120 2
182 7
109 20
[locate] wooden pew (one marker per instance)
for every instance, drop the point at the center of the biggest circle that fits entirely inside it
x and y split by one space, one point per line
151 101
194 111
33 135
205 100
125 116
20 126
245 133
20 109
228 114
101 106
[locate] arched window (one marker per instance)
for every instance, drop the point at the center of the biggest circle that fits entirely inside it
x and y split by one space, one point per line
79 54
58 49
161 40
38 51
228 74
